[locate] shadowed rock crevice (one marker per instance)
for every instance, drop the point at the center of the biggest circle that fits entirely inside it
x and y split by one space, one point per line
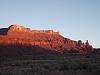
3 31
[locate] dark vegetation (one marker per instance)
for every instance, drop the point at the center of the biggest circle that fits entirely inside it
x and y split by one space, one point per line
72 66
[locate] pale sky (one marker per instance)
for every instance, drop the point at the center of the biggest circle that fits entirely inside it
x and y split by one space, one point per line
74 19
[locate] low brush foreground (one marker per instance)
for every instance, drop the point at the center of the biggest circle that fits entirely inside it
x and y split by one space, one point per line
45 52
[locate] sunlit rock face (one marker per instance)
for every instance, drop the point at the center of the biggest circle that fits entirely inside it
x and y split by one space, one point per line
47 39
16 29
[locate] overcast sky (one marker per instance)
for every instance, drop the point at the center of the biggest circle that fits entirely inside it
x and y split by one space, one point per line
74 19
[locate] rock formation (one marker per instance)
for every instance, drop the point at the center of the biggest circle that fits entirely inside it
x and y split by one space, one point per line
48 39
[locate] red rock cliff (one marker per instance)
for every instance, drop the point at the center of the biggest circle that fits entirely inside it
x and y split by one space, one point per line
42 38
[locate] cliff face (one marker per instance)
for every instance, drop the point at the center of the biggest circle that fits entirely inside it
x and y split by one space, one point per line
47 39
20 29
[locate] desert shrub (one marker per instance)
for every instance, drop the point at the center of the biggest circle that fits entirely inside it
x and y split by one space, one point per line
64 66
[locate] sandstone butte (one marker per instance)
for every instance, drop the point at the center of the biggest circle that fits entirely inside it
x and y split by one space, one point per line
48 39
